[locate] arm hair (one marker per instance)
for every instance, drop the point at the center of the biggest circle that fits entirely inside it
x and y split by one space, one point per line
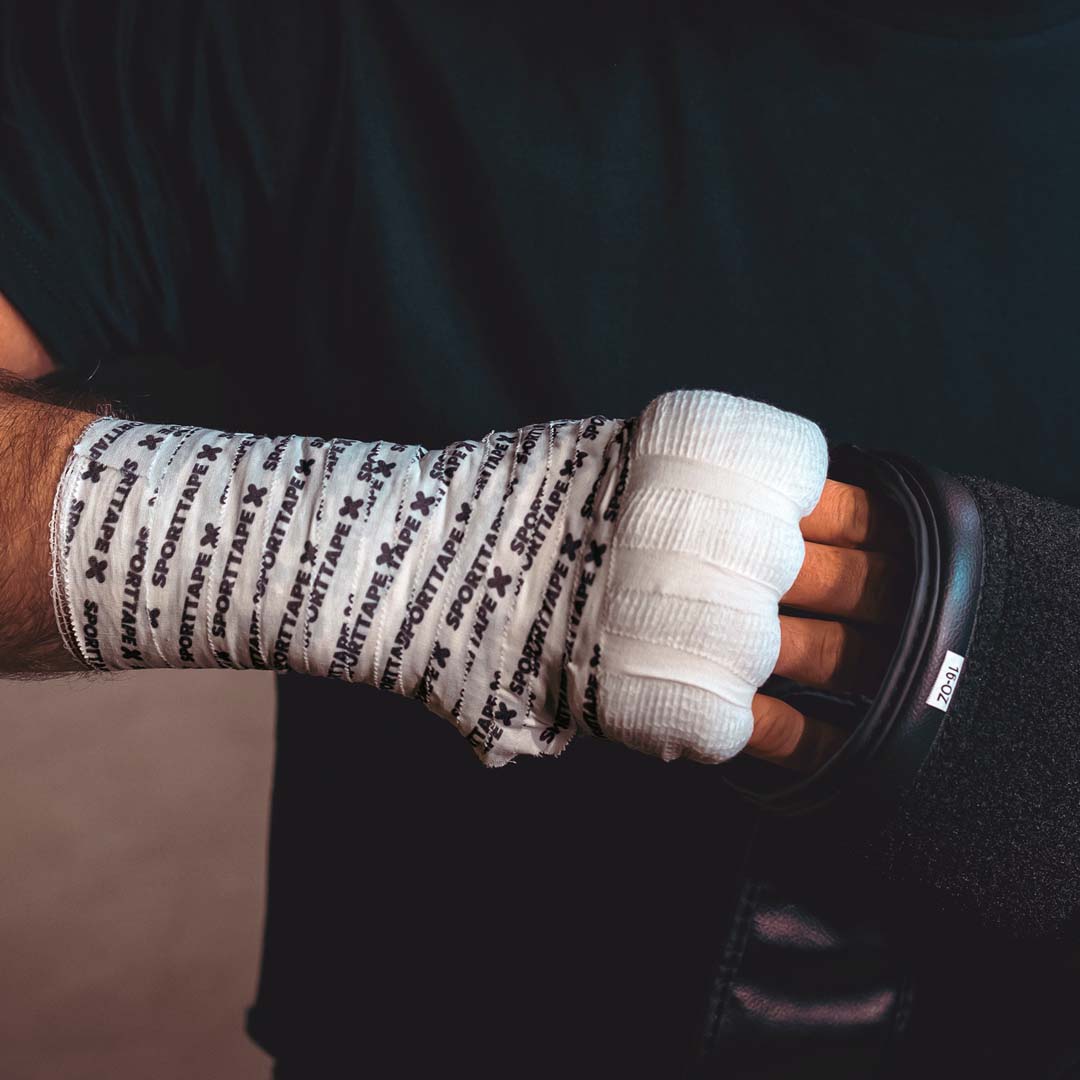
37 432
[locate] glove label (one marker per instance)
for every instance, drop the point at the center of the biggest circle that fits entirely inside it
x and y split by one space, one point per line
945 683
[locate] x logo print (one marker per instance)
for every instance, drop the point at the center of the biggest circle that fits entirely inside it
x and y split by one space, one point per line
596 552
304 466
351 508
254 495
96 569
94 469
210 536
423 503
155 614
310 551
464 513
504 715
151 442
385 556
498 581
569 547
440 655
209 453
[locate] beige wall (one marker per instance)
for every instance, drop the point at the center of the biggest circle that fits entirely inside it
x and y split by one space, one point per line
133 820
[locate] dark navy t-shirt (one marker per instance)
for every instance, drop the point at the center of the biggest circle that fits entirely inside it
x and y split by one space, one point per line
424 221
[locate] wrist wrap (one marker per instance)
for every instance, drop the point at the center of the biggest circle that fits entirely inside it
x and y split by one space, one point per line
618 575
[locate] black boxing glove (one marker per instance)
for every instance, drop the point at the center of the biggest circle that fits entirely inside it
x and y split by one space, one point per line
962 775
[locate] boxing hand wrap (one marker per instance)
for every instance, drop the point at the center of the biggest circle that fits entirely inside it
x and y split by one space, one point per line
706 545
961 778
618 576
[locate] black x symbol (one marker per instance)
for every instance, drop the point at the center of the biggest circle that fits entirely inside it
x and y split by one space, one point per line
386 556
569 547
423 503
310 551
498 581
210 453
548 734
594 660
568 468
130 654
96 569
94 469
155 614
595 552
440 655
304 466
464 513
504 715
210 536
351 508
151 442
385 468
254 495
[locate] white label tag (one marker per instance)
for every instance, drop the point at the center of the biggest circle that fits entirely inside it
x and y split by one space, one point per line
945 684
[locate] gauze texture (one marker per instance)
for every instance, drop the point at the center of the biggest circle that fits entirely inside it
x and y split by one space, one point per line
618 576
707 542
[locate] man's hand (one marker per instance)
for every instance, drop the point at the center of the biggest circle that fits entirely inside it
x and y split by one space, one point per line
851 594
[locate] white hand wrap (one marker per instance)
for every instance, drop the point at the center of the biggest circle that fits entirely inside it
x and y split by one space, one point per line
621 576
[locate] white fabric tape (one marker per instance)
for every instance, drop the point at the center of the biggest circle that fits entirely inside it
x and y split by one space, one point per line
514 584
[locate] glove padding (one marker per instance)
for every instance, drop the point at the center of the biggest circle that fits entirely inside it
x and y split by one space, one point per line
993 817
961 778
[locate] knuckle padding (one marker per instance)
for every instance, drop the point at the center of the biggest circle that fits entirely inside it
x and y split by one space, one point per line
729 637
729 431
720 532
672 719
707 542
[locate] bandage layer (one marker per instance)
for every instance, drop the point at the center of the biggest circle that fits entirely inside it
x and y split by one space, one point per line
707 542
617 576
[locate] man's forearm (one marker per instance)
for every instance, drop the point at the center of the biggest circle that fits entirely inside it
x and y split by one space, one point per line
474 578
396 566
35 440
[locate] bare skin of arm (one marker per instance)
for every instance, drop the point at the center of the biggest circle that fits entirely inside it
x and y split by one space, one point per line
845 578
35 439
